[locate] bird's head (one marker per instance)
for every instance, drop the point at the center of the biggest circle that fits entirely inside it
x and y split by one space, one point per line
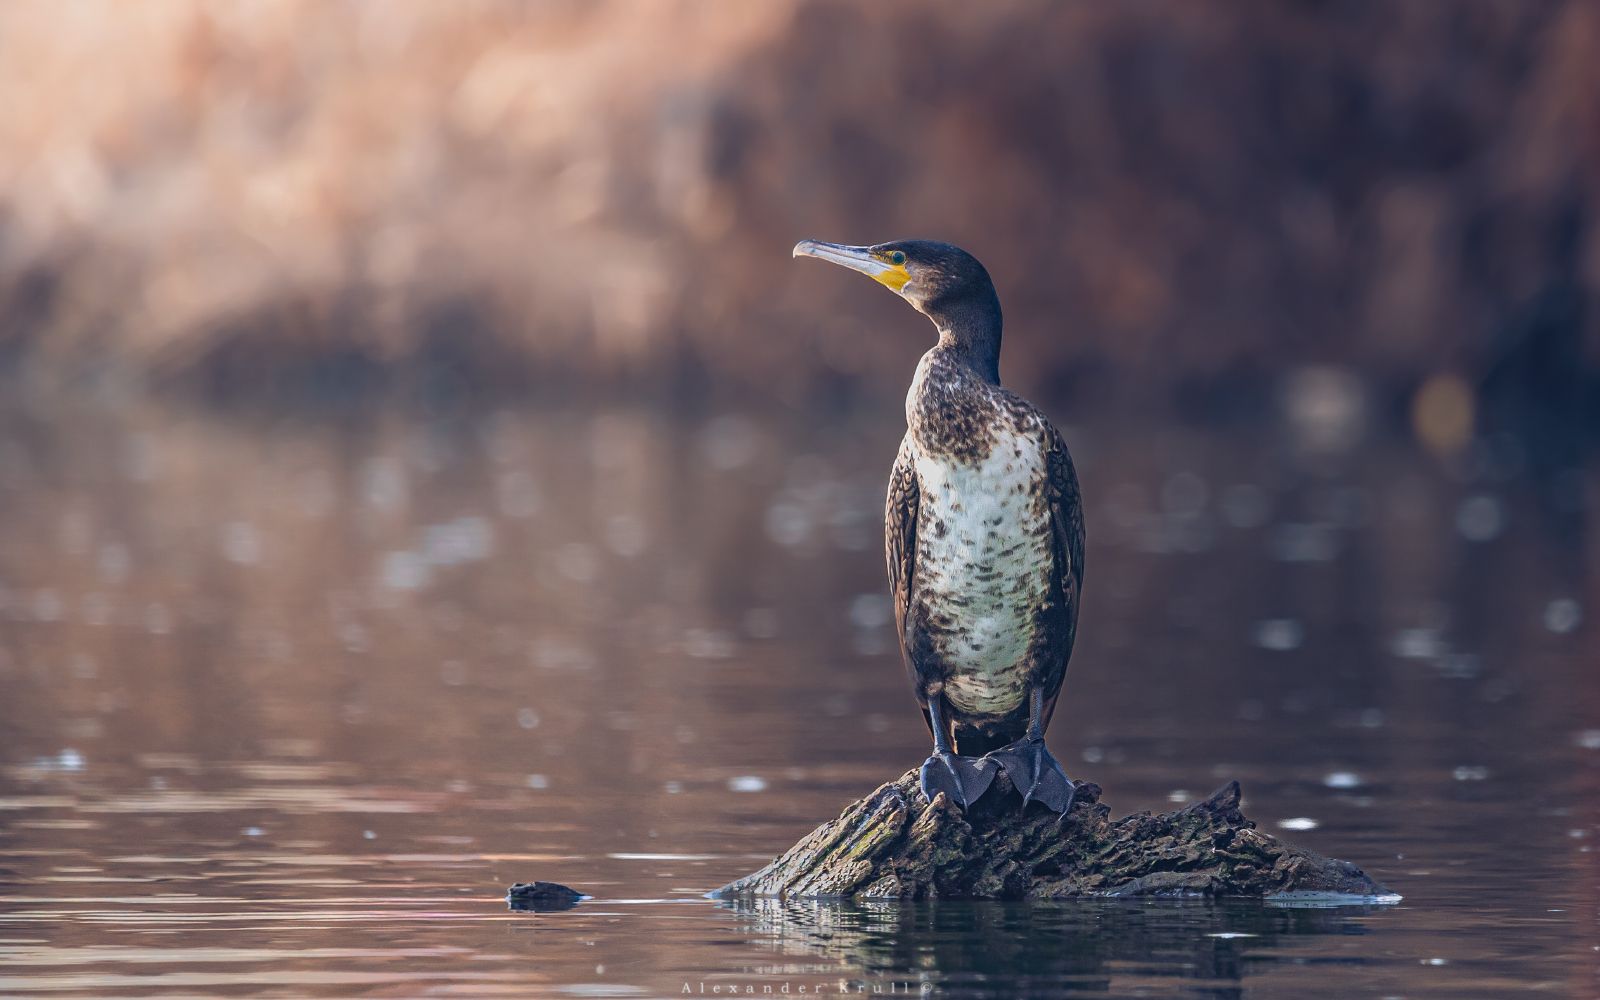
938 279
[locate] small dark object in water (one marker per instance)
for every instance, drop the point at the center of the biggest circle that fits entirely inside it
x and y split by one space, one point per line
542 897
894 844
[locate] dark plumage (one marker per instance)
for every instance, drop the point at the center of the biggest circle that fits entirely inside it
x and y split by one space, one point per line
984 535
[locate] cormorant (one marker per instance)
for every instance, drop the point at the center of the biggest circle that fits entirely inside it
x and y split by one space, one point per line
984 535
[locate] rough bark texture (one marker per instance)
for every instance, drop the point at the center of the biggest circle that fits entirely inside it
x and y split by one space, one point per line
894 844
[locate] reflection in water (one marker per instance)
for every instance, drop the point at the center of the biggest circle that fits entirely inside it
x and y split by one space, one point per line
287 706
1049 949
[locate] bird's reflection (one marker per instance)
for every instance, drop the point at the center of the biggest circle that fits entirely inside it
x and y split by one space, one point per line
1083 943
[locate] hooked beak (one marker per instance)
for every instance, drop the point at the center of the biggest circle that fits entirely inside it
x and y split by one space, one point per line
861 259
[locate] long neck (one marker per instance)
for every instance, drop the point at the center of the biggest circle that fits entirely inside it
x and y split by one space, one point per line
969 330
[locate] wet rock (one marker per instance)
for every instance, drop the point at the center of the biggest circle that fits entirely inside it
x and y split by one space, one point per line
894 844
542 897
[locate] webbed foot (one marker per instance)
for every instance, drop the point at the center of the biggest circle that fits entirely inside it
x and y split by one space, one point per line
1035 773
962 779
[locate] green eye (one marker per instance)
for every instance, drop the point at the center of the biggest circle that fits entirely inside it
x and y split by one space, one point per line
898 257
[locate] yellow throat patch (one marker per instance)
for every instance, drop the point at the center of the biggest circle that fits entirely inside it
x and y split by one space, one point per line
895 277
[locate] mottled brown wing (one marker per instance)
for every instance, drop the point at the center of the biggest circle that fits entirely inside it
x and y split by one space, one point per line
900 546
1066 517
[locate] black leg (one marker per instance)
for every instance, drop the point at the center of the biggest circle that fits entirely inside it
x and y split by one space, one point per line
962 779
1031 767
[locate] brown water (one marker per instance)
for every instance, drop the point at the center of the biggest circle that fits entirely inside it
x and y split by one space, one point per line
284 708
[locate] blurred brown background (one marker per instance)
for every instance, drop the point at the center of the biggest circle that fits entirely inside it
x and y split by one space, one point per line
1179 201
423 467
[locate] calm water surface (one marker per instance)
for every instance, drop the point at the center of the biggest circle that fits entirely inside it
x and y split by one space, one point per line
284 708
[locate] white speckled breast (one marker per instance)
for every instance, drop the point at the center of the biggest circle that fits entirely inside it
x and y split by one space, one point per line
983 563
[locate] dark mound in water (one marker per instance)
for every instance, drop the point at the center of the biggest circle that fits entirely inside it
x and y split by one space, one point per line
541 897
894 844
